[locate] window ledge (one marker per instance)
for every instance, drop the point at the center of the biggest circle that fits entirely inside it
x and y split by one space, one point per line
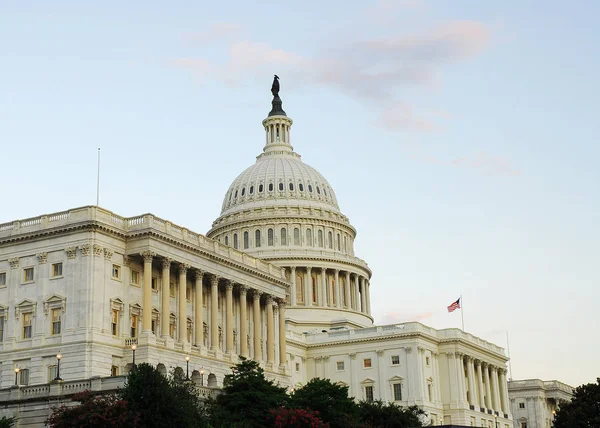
27 282
56 277
116 278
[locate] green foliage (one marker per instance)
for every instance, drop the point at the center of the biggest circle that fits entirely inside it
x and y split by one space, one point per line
583 410
377 414
94 411
162 401
7 422
247 398
330 400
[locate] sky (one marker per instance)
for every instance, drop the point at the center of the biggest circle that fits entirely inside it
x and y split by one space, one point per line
461 139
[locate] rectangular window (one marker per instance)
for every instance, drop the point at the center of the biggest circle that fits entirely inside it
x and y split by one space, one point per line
189 333
153 326
427 361
367 363
28 274
114 371
2 279
57 269
397 392
135 277
24 377
134 323
155 284
521 405
369 394
116 271
395 360
172 329
172 290
114 322
51 373
188 293
429 391
27 325
297 367
56 321
339 366
1 329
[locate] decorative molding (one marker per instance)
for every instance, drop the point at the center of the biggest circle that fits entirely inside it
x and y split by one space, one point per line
256 294
214 279
199 274
269 299
98 250
421 349
243 289
25 306
352 355
108 253
126 260
183 268
116 304
408 349
14 263
85 249
71 252
3 310
42 258
379 352
135 309
148 255
55 301
166 262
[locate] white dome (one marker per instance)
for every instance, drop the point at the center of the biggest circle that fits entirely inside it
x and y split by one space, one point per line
280 179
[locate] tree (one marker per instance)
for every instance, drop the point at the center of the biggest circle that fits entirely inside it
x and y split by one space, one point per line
94 411
377 414
246 398
297 418
330 400
6 422
162 401
583 410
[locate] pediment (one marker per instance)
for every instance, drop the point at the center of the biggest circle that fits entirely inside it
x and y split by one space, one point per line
135 309
24 306
3 310
55 298
56 301
25 302
367 381
396 379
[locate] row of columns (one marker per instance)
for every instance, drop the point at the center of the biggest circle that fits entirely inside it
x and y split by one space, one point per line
486 384
213 316
355 289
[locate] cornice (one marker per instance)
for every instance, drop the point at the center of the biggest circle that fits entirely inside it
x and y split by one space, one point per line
302 259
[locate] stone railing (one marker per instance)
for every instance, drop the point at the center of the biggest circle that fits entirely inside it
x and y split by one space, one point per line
548 385
129 224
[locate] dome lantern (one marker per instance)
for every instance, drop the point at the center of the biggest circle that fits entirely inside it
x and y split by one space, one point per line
277 125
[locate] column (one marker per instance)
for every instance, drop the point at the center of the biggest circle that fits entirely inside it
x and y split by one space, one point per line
182 302
347 290
336 289
363 295
243 322
324 287
488 390
480 384
503 395
495 389
270 331
199 310
165 297
214 309
368 296
229 317
461 377
257 327
147 292
308 295
473 399
357 293
293 281
282 347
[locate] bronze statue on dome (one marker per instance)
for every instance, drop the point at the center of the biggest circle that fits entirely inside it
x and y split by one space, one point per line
275 86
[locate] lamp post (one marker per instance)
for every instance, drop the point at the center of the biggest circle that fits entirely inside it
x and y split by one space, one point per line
133 348
187 368
58 358
553 417
441 421
496 419
201 377
17 370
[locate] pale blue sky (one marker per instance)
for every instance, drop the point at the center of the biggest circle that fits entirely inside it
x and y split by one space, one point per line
461 139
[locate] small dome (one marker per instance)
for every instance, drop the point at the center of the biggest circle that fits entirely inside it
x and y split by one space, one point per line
280 180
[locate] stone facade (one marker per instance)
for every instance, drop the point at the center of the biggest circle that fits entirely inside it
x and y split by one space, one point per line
534 402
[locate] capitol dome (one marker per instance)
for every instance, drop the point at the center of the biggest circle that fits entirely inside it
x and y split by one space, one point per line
284 211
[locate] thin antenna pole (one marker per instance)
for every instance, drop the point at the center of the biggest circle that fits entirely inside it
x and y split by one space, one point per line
98 181
462 314
509 360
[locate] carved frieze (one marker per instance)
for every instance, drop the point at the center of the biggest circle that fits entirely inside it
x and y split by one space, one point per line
85 249
98 250
14 263
42 258
108 253
148 256
71 252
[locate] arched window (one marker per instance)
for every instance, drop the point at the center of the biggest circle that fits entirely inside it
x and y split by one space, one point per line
251 189
318 190
330 240
345 250
301 187
235 194
260 188
296 236
310 188
243 191
257 238
291 186
270 237
246 240
309 238
227 240
333 299
270 187
299 288
235 241
339 243
314 289
281 187
283 236
320 236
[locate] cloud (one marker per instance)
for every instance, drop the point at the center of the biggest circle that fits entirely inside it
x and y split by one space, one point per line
219 31
396 317
488 164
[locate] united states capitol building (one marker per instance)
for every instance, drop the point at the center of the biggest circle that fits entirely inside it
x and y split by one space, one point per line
275 279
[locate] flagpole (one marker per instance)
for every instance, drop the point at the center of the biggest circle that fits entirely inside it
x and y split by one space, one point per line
98 181
462 315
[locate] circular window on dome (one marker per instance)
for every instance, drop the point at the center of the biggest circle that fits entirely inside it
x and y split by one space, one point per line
281 187
251 189
318 190
301 187
310 188
243 191
260 188
291 186
270 187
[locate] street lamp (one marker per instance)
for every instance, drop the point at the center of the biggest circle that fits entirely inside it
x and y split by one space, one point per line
441 421
133 348
201 377
58 358
187 369
17 370
496 419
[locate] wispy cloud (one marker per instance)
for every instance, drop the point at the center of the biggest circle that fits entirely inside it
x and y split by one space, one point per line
220 31
397 317
485 163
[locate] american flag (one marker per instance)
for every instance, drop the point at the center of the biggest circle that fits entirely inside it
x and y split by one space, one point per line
454 306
